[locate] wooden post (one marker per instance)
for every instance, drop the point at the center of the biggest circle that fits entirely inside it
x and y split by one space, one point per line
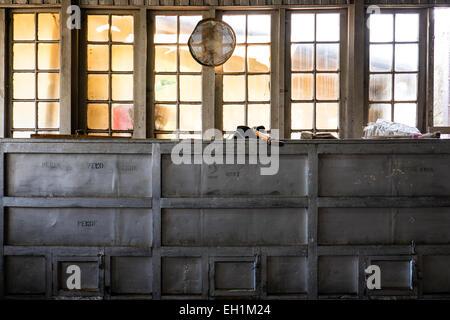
140 75
208 90
66 81
3 113
354 113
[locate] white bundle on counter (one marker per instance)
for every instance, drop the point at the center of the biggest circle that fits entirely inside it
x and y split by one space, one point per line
388 128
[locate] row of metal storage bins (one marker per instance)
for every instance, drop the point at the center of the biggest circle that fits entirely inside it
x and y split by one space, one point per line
224 276
130 175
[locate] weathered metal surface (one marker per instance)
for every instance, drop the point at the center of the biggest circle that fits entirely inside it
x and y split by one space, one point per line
234 275
354 226
436 278
131 275
338 275
286 275
78 175
78 227
384 175
395 274
189 180
25 275
233 227
89 272
167 231
181 276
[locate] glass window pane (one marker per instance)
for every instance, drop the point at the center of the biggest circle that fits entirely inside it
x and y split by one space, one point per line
381 27
121 134
190 136
302 27
406 57
122 116
22 134
187 25
166 136
258 58
302 57
327 57
48 26
379 111
187 63
23 26
381 57
99 134
191 88
407 27
237 22
166 58
405 113
23 56
24 114
24 86
122 87
48 56
328 27
380 87
259 115
190 117
233 116
98 27
165 29
302 87
97 116
259 88
48 115
98 87
165 88
233 88
165 117
122 29
122 58
236 61
405 87
97 57
48 85
441 106
258 28
327 86
327 115
302 116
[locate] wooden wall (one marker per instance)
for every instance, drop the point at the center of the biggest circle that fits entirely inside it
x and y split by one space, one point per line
218 2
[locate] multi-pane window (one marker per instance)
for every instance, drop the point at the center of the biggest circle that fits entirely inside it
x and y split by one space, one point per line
394 67
315 72
246 75
35 73
110 70
177 79
441 111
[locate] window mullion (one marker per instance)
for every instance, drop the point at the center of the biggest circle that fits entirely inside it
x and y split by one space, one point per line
3 112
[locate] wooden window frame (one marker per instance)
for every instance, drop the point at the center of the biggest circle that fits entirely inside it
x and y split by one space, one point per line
10 70
354 75
83 73
422 67
219 103
430 81
342 70
152 132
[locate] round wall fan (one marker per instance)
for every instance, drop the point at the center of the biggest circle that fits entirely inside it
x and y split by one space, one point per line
212 42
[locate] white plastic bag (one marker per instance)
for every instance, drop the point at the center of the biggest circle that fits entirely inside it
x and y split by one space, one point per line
388 128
